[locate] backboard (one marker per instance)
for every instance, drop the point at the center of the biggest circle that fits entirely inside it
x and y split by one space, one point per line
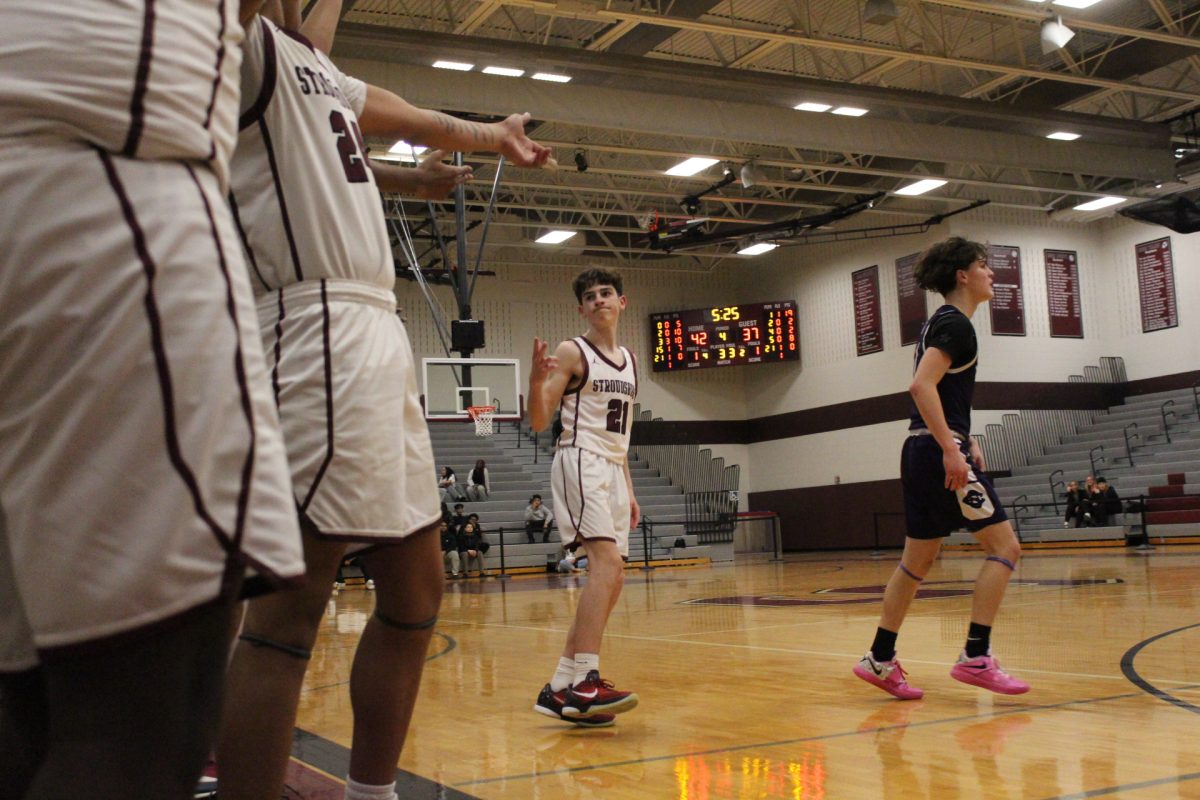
450 385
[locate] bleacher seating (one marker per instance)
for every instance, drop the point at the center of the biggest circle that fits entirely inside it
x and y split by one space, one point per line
1160 469
518 468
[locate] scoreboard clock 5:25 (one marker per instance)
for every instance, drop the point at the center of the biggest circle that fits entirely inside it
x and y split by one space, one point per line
724 336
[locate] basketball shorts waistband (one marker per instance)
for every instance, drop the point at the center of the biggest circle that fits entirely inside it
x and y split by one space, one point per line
958 437
335 289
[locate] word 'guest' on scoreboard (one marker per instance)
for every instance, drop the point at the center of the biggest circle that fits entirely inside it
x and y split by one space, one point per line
724 336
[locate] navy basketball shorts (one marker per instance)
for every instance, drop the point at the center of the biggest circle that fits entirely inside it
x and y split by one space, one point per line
930 509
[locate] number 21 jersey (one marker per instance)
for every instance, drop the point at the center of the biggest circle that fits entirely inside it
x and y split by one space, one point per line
300 153
596 411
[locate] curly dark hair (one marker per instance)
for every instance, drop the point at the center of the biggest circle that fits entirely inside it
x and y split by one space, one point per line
596 276
937 268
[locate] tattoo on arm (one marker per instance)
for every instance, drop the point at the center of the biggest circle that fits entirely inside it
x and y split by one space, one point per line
479 133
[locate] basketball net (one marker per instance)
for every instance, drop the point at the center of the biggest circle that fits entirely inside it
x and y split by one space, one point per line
483 419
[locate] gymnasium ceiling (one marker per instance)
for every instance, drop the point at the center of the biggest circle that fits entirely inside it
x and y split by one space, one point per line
959 90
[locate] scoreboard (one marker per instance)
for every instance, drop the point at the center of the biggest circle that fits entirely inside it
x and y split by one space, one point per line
724 336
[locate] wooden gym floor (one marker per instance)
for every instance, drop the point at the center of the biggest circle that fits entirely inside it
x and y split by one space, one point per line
746 690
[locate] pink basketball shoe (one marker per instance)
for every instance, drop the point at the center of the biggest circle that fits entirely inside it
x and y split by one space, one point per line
985 672
887 675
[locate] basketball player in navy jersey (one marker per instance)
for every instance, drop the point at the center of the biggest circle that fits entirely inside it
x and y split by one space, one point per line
312 225
945 487
593 381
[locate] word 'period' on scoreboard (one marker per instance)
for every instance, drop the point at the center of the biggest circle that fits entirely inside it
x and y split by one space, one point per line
725 336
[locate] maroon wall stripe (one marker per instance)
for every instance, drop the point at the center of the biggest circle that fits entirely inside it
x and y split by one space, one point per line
161 364
137 101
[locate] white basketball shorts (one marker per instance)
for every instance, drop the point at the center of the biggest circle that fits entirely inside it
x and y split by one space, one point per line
591 499
344 379
141 462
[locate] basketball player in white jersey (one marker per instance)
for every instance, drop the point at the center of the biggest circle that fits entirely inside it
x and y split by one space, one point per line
142 471
594 382
312 224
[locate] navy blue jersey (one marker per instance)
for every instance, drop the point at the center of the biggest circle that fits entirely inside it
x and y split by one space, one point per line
950 331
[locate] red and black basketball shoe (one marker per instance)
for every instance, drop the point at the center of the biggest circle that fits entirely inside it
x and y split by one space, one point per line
593 696
550 703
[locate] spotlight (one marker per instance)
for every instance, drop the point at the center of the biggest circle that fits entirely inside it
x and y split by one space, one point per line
879 12
727 172
751 174
581 162
1055 35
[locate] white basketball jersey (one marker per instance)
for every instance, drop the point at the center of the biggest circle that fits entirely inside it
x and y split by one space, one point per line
299 155
147 79
596 411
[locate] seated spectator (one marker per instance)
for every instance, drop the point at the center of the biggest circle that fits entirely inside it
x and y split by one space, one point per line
478 484
474 520
450 557
471 548
570 564
1105 502
1077 504
1094 510
458 519
447 486
538 519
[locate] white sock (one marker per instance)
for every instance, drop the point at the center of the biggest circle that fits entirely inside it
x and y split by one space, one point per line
585 663
564 675
364 791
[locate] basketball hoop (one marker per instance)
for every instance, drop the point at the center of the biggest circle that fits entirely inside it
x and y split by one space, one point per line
483 419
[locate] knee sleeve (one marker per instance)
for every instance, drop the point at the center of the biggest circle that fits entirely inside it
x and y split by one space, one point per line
1002 560
301 653
405 626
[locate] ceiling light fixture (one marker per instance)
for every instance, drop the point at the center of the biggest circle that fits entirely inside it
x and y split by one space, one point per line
818 107
1055 35
457 66
403 151
880 12
551 76
1063 136
554 237
1099 203
757 249
1076 3
849 111
920 187
691 166
507 72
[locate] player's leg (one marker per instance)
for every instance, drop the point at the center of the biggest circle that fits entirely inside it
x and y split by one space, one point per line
265 675
391 654
976 665
134 718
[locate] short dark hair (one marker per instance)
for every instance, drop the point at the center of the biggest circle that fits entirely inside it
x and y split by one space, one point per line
472 517
596 276
535 497
1101 480
937 267
457 506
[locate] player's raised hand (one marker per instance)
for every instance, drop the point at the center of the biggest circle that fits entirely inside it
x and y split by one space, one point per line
437 178
543 362
516 146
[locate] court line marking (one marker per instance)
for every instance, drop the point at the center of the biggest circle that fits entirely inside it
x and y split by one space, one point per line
799 740
1125 787
1130 671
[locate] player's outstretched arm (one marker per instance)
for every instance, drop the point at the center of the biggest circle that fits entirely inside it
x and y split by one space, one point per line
933 366
431 180
320 26
247 9
549 376
390 116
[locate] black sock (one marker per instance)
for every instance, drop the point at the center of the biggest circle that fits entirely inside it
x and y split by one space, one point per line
884 646
979 639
